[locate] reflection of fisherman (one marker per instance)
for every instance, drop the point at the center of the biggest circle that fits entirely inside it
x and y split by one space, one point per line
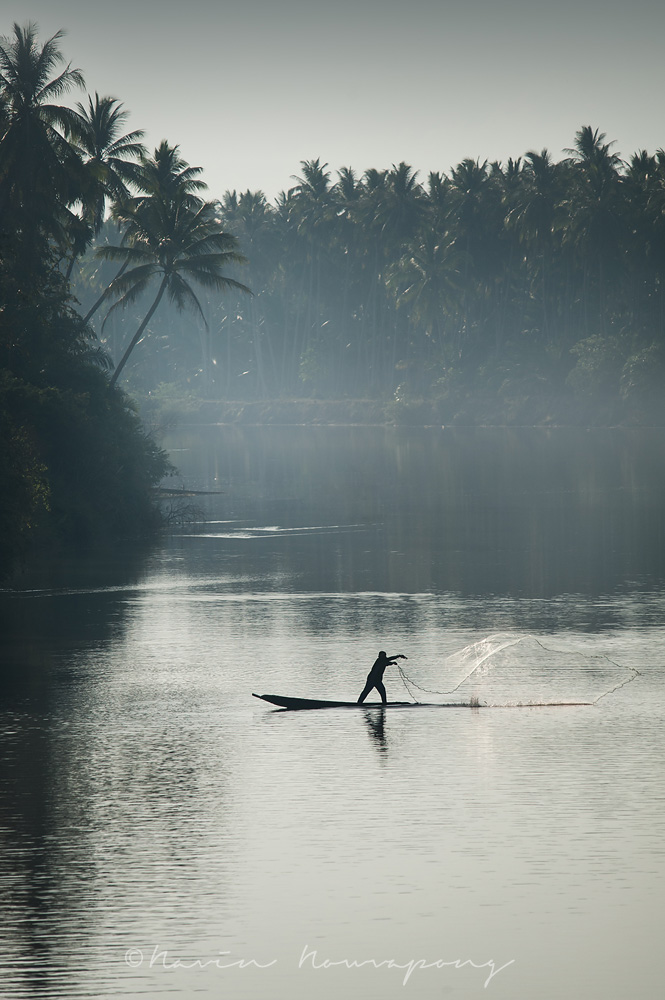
375 676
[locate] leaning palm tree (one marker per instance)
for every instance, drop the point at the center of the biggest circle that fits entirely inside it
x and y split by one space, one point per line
163 176
170 241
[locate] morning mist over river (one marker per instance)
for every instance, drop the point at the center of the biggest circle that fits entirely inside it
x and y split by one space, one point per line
155 816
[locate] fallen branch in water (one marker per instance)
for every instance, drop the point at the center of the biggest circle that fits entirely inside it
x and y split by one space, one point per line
182 492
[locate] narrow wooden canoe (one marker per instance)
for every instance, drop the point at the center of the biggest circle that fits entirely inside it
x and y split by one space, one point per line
282 701
299 704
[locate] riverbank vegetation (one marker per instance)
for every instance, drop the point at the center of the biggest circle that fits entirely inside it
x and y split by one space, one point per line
76 464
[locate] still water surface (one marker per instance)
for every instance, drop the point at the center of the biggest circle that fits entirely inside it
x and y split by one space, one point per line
157 823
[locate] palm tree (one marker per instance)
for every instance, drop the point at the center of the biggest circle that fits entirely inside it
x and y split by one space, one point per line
164 175
400 209
315 182
437 203
40 170
313 212
108 166
172 236
590 148
535 201
350 243
478 224
347 187
109 156
644 183
427 278
533 215
469 183
597 228
252 221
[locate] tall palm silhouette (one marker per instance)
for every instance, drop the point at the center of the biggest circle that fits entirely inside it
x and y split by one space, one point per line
597 228
109 164
401 205
109 156
534 215
40 169
249 217
164 175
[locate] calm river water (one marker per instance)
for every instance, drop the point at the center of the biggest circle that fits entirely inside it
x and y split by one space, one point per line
163 834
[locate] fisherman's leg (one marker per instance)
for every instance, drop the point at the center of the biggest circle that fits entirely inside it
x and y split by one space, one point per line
366 690
382 691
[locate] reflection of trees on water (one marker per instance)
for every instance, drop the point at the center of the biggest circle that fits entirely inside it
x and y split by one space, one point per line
94 781
105 808
529 512
47 865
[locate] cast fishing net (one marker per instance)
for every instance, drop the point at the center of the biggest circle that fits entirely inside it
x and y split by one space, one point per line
519 670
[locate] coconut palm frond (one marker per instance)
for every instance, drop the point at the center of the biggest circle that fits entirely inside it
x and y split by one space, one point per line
123 283
182 295
214 281
133 253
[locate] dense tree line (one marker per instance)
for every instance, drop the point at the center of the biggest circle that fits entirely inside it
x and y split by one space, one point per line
75 460
510 291
531 290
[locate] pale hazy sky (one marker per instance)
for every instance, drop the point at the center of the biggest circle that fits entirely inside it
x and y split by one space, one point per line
249 89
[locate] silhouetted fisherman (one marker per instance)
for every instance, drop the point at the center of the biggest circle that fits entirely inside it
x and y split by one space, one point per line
375 676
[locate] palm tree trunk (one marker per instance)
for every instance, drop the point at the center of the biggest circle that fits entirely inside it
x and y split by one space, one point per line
139 333
70 267
91 312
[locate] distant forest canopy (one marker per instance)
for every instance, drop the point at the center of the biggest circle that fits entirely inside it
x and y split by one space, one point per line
525 292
